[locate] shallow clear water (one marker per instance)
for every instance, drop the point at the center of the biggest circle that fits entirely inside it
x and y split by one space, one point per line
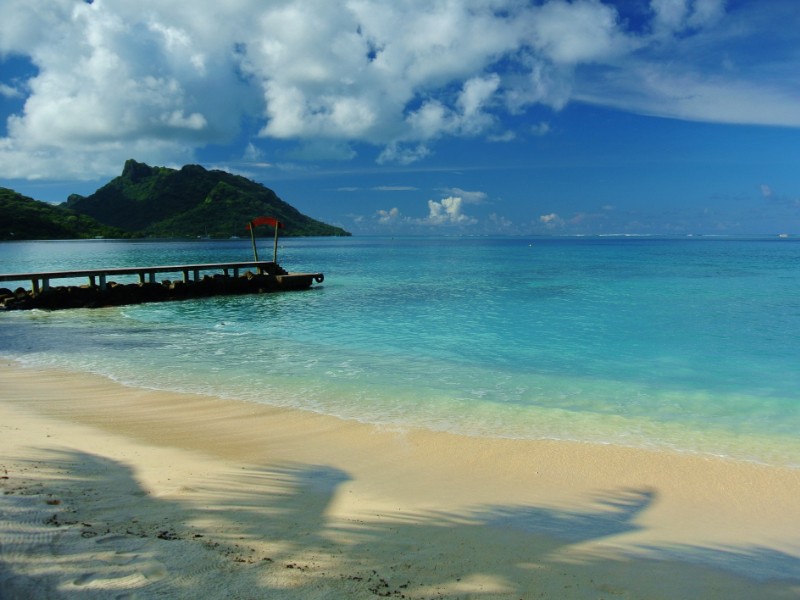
684 343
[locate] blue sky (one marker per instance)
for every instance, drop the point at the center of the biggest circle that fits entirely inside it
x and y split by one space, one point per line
423 116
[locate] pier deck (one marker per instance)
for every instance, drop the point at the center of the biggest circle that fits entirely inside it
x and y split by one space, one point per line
190 273
269 277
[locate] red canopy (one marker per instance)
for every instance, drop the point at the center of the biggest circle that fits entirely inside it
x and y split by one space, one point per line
271 221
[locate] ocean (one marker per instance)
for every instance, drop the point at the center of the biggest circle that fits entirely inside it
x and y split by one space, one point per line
686 344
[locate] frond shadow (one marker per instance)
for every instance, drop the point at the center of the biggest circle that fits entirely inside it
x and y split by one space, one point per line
91 529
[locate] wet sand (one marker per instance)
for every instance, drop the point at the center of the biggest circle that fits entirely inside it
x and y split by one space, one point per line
111 491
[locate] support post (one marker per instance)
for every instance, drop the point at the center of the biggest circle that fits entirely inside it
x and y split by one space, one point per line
275 246
253 239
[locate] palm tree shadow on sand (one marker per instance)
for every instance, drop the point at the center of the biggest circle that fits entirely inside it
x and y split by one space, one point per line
90 530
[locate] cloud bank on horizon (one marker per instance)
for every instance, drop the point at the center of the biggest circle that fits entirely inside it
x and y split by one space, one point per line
105 81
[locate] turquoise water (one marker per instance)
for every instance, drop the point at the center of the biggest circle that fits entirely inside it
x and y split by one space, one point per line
688 344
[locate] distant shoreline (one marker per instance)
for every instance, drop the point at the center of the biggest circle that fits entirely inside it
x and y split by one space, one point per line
532 236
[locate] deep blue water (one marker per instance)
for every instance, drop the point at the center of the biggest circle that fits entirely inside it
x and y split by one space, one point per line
684 343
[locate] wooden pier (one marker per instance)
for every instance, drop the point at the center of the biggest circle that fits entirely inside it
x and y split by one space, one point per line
196 281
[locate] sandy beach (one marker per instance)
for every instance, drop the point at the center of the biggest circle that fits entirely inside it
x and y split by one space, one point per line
111 491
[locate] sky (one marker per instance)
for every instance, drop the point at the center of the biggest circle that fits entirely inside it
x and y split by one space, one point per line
454 117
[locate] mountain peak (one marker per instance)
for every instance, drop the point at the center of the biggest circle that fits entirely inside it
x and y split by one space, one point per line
192 201
135 171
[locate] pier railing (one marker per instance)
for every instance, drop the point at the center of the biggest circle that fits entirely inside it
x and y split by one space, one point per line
41 281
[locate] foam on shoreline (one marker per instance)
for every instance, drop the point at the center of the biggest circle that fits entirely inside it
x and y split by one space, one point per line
117 488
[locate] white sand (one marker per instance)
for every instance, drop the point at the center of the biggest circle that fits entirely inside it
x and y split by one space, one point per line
117 492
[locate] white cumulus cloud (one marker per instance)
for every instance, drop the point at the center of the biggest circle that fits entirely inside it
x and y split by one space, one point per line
448 212
673 16
10 92
389 216
159 80
551 221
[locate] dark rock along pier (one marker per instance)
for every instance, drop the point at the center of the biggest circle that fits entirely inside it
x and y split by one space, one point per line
198 281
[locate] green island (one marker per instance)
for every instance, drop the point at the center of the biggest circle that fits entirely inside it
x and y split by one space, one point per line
157 202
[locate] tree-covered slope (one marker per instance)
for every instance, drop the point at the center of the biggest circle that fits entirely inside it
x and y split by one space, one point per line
163 202
23 218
